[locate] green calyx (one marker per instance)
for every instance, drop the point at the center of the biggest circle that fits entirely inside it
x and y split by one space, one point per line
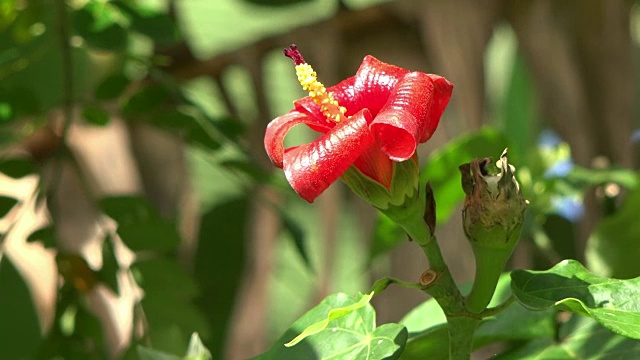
403 203
404 185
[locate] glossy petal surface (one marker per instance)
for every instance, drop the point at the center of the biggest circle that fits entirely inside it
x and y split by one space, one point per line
280 126
311 168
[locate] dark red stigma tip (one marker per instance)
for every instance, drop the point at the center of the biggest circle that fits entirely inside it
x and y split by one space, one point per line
293 53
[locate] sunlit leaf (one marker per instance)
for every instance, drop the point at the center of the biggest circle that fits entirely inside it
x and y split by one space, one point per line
333 314
353 335
568 286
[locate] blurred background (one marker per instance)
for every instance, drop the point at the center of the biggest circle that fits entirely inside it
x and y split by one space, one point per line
138 205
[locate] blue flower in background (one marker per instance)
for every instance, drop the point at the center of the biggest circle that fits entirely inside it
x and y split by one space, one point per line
549 139
559 169
568 207
635 136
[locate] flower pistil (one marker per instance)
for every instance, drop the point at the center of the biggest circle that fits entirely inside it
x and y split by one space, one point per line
317 91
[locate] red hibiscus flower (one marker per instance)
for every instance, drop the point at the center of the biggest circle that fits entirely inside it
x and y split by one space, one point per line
371 121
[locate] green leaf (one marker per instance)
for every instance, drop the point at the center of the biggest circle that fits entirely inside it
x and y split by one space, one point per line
108 274
519 110
111 87
192 128
150 354
197 350
442 167
6 112
219 265
386 235
95 115
297 235
248 167
158 26
347 333
276 2
162 277
21 101
139 224
100 25
145 100
579 338
127 210
6 204
612 249
17 167
568 286
231 128
19 320
169 304
335 313
158 235
586 177
46 234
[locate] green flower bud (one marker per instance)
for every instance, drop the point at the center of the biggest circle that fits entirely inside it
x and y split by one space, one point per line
494 205
492 214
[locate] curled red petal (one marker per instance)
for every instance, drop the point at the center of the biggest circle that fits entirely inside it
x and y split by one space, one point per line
374 82
411 114
280 126
311 168
442 90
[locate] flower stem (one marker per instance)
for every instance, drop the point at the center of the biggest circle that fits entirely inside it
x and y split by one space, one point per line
461 329
444 290
490 263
